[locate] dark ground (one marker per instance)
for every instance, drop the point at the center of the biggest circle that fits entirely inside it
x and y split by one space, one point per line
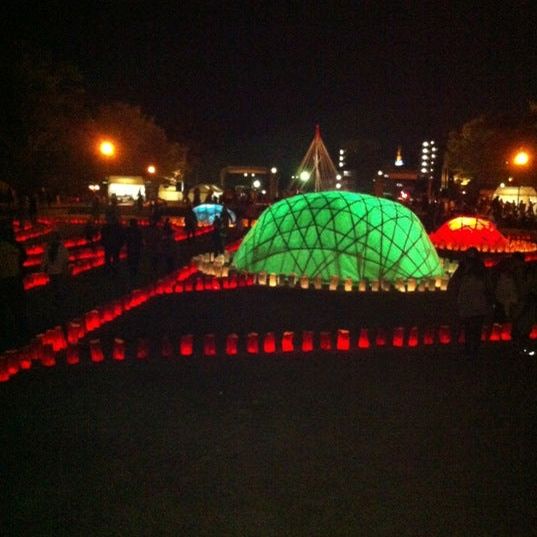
377 442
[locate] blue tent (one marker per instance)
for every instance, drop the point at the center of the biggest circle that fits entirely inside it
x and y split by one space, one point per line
206 212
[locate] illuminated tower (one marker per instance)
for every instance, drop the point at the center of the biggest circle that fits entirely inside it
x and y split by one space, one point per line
399 158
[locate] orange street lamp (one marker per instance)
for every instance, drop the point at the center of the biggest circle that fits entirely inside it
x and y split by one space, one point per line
521 158
107 148
151 169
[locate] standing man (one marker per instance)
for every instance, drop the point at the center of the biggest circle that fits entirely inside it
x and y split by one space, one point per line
13 298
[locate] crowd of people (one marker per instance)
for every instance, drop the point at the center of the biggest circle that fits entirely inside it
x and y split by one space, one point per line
505 293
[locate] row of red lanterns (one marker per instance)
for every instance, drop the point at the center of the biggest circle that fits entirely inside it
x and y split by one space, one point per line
46 347
83 262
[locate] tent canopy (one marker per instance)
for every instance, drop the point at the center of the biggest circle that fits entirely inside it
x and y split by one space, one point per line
344 234
463 232
514 194
205 189
206 212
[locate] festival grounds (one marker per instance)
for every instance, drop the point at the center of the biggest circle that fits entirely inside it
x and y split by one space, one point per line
378 441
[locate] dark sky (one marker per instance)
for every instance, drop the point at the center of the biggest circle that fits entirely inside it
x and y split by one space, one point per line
249 81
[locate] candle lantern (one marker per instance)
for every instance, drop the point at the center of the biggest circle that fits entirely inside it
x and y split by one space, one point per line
186 345
363 339
96 351
325 341
288 342
269 343
307 341
232 341
252 343
209 345
343 340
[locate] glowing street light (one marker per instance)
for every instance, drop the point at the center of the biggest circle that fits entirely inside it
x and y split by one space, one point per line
521 158
151 169
256 183
107 149
304 176
274 169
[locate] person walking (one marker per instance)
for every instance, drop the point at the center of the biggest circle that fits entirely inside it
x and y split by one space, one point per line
218 245
191 222
112 239
473 303
55 265
13 298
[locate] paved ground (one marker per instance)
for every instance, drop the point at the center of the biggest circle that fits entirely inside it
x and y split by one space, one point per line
381 442
378 442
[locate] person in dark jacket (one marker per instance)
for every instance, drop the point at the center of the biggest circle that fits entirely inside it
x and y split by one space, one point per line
112 239
473 303
12 294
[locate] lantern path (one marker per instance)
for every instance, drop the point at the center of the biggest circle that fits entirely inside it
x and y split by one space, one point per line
69 345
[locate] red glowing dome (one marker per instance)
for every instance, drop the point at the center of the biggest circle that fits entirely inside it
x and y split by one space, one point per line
463 232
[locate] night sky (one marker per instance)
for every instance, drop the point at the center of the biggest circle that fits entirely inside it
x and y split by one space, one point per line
248 81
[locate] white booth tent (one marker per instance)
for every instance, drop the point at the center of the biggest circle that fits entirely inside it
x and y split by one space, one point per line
124 186
205 188
516 194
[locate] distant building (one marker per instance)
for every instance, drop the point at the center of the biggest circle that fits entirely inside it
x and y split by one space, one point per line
345 178
395 180
428 165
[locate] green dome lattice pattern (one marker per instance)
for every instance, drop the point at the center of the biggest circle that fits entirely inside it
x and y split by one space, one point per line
341 234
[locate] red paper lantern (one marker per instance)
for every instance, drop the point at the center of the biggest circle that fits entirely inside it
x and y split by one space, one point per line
72 355
96 351
232 341
380 337
307 341
363 339
269 343
506 332
496 332
47 356
166 348
142 349
4 374
398 338
413 337
288 342
533 333
12 359
252 343
73 331
186 345
209 345
59 343
118 350
325 341
343 340
25 358
428 336
444 334
188 286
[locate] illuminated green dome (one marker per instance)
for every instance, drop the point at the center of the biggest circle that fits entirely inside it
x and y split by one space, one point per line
339 233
